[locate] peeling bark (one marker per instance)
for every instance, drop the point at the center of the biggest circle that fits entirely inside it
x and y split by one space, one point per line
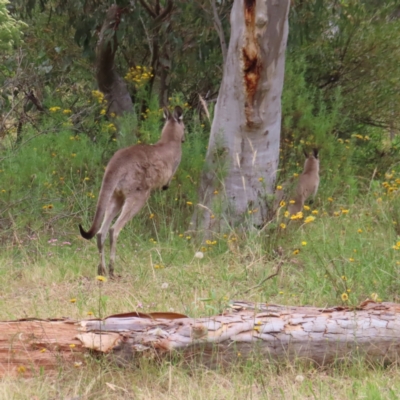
276 333
110 83
243 151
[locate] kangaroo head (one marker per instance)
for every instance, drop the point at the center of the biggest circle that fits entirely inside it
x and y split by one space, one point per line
312 161
174 127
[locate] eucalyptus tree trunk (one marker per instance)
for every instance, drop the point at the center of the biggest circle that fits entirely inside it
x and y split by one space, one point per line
243 151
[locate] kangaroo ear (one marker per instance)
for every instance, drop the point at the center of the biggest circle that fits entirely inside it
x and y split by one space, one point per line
178 114
315 151
167 114
305 153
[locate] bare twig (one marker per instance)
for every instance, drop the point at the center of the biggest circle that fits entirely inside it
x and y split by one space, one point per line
204 104
148 8
278 268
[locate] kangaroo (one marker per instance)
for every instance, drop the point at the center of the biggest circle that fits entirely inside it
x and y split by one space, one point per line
130 176
308 182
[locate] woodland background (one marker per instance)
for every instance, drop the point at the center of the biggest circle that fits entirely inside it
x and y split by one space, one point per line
342 84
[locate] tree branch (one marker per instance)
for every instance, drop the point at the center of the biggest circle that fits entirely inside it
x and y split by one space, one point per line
220 30
148 8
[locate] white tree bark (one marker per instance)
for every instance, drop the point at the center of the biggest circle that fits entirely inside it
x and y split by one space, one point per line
243 151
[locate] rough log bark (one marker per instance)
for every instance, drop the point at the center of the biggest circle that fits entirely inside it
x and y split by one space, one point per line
276 333
110 83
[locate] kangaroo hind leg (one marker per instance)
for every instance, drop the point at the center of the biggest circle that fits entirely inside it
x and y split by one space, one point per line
113 208
131 207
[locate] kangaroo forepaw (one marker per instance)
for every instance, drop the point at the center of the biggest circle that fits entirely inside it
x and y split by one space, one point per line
165 187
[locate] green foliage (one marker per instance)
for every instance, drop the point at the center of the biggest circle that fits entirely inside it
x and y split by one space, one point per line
10 28
352 46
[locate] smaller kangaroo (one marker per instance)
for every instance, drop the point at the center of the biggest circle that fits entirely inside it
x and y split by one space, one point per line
308 182
130 176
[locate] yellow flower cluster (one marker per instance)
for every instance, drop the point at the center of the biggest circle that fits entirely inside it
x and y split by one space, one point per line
99 96
396 246
392 183
54 109
309 219
111 127
361 137
296 216
138 75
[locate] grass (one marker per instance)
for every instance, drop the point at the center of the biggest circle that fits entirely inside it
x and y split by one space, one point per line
53 275
47 270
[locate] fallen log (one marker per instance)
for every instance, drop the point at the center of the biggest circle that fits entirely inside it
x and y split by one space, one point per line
274 332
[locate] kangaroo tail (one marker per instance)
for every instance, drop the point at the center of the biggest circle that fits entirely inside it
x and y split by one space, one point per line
87 235
106 191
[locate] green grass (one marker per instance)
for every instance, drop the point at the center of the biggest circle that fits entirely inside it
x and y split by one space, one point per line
48 270
42 279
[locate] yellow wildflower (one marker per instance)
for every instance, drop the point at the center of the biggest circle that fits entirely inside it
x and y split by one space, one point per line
315 212
345 211
279 187
189 203
304 243
345 297
282 203
283 226
260 179
307 208
54 109
72 300
309 219
295 252
67 112
101 278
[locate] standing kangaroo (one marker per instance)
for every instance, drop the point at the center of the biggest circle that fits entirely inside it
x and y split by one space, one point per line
130 176
308 182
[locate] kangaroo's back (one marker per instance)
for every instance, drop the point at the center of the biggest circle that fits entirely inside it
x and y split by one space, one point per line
308 182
